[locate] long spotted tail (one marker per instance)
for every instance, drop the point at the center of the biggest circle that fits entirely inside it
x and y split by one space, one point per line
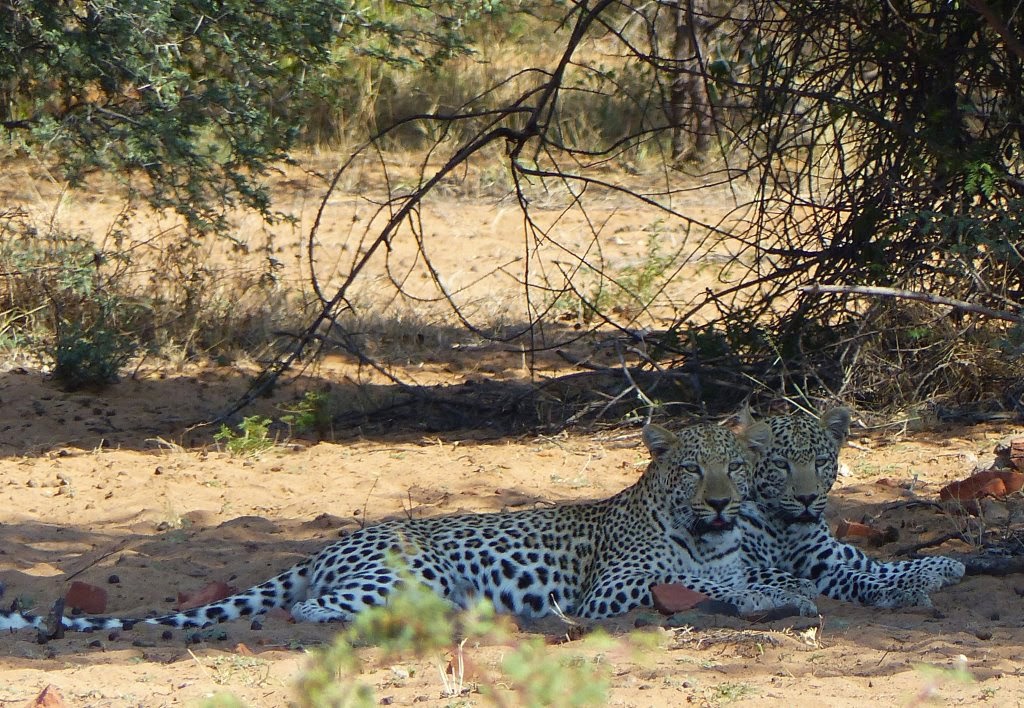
281 591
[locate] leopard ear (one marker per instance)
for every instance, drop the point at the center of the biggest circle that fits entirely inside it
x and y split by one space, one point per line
758 437
658 440
836 421
745 417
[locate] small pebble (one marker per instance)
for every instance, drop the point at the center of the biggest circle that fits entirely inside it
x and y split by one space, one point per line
167 634
113 580
256 625
96 644
983 634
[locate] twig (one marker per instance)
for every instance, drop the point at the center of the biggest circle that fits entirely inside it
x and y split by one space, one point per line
930 543
366 502
117 549
999 25
877 291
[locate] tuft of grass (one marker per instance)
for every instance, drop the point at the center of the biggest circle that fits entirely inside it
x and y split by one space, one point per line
251 439
728 692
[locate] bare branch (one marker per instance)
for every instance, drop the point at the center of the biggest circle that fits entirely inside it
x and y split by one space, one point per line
870 291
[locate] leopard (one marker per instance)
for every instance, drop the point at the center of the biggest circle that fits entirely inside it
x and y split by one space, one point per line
591 560
788 530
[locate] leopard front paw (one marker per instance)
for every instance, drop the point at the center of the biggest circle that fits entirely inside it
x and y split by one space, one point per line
804 605
806 588
761 600
930 574
892 598
949 569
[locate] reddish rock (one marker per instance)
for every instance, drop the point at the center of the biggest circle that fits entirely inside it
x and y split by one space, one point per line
1013 480
281 614
848 529
1017 454
49 697
670 598
874 536
210 592
990 483
86 597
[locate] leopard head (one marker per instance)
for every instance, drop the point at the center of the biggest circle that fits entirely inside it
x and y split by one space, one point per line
792 480
699 476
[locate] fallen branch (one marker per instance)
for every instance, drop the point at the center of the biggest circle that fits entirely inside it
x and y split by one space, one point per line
993 565
930 543
873 291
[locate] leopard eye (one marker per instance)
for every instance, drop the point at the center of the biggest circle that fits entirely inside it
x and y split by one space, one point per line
822 461
736 466
691 467
781 462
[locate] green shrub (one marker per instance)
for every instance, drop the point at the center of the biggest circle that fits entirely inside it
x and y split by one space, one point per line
252 438
418 622
312 413
90 354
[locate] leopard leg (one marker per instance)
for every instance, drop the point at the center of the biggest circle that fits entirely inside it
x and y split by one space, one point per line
774 577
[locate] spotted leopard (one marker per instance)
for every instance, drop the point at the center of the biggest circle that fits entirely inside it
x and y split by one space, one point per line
790 488
592 560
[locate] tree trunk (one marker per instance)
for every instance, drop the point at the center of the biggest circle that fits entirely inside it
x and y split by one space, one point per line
689 109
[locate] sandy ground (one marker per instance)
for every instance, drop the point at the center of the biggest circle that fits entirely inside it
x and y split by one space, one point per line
115 489
92 491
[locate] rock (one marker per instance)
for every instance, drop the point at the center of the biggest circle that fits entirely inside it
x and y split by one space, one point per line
874 536
989 483
670 598
211 592
49 697
86 597
995 512
776 613
1017 454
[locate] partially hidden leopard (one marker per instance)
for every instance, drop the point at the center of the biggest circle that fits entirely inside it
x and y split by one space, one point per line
788 531
676 524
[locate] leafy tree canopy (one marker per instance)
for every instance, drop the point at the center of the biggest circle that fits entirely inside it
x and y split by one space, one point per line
195 97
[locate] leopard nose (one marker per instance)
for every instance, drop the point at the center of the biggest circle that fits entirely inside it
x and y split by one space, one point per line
807 499
718 504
